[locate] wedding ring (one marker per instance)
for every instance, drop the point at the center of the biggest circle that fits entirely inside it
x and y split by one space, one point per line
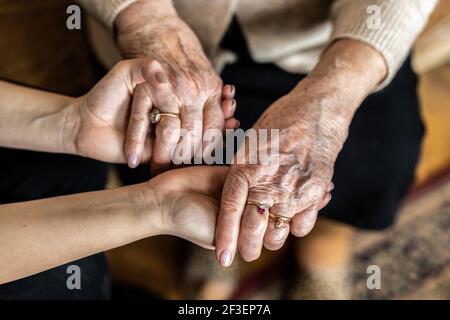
156 115
279 221
263 208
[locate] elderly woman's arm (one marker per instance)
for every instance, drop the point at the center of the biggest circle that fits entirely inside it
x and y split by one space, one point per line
153 29
38 235
313 120
370 40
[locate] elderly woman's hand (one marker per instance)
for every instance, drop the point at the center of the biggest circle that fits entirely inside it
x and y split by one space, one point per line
296 185
313 122
112 122
153 29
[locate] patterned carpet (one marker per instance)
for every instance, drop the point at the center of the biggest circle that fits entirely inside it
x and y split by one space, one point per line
414 256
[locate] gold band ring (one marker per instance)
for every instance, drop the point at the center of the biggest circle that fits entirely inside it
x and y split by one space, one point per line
156 115
279 221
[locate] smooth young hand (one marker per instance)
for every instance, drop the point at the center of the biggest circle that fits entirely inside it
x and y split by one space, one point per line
187 210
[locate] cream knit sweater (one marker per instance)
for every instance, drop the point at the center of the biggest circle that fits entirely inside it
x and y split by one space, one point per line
293 33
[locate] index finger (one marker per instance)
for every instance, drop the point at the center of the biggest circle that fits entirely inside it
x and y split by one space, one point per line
234 197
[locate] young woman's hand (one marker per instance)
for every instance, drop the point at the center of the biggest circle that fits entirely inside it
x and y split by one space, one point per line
189 200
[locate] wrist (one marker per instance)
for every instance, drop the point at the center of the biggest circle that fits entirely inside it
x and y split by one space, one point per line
147 205
349 68
69 117
142 14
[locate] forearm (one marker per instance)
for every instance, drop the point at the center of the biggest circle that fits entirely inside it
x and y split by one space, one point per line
142 13
154 29
34 120
349 70
323 104
42 234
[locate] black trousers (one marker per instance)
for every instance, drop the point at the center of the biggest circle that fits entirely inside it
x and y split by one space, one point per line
376 166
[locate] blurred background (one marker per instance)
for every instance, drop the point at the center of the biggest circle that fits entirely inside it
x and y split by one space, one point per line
413 254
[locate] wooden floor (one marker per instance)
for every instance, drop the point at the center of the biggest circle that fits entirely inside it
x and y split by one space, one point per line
434 90
435 96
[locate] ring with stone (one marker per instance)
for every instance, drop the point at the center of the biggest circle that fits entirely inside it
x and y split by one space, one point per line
263 208
279 221
156 115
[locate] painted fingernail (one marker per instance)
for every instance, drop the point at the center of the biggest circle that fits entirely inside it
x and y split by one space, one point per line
161 77
133 160
225 258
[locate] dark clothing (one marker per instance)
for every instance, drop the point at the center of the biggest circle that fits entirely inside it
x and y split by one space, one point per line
39 51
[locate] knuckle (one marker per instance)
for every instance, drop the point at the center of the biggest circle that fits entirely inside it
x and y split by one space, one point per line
138 118
248 255
273 245
252 227
132 143
275 238
190 127
151 65
170 133
215 123
237 179
301 227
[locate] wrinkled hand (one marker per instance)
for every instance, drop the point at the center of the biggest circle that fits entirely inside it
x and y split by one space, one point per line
313 120
189 86
113 118
313 127
189 210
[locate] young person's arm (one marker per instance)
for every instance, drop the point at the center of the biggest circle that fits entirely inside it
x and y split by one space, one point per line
33 119
38 235
110 123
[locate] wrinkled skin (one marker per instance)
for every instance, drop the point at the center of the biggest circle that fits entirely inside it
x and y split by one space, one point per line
298 186
192 88
111 115
313 119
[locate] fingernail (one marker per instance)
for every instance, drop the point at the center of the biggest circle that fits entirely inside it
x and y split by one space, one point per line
161 77
233 90
238 123
233 104
133 160
225 258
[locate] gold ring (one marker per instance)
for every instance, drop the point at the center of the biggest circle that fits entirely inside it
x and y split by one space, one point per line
263 208
156 115
279 221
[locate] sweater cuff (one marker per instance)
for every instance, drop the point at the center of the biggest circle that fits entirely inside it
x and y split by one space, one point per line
400 22
105 11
